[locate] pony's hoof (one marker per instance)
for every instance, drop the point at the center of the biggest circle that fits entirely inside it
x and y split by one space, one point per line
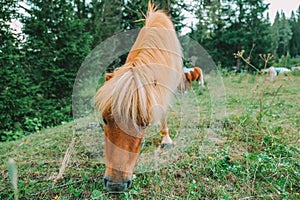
167 146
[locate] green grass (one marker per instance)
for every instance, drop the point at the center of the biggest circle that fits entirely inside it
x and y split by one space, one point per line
255 153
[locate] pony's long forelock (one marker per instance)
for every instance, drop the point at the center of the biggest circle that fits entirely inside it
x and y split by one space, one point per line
152 72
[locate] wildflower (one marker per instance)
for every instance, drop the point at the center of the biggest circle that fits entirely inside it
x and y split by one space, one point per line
209 157
26 142
37 131
56 197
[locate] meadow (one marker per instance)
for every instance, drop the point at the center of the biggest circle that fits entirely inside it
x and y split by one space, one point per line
252 153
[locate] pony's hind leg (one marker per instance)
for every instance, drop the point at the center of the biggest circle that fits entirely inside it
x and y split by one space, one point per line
166 140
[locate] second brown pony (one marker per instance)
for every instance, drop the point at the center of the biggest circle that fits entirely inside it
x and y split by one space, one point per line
194 74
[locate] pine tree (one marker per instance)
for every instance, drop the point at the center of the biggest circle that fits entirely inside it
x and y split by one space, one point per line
275 33
228 26
281 35
56 44
105 19
294 45
285 35
15 86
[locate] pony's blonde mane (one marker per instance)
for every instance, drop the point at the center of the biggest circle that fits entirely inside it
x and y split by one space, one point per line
152 72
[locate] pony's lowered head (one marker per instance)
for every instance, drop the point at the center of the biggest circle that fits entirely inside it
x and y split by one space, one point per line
131 94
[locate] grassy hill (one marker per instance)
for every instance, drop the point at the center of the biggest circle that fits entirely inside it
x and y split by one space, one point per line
253 153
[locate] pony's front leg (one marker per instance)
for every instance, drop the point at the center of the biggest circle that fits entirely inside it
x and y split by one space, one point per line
166 140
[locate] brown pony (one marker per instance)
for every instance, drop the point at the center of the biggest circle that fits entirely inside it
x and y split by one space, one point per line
137 94
194 74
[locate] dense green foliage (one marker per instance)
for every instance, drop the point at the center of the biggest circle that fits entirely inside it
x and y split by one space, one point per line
294 43
39 64
226 27
15 96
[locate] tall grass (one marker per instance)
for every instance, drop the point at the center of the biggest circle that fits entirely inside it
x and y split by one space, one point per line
254 155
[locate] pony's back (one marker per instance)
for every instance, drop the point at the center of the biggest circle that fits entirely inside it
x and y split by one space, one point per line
152 72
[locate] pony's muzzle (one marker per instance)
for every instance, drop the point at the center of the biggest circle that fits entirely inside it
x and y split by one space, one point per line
116 187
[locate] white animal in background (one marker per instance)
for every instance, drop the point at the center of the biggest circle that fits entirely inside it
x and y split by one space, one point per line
272 73
295 68
282 70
